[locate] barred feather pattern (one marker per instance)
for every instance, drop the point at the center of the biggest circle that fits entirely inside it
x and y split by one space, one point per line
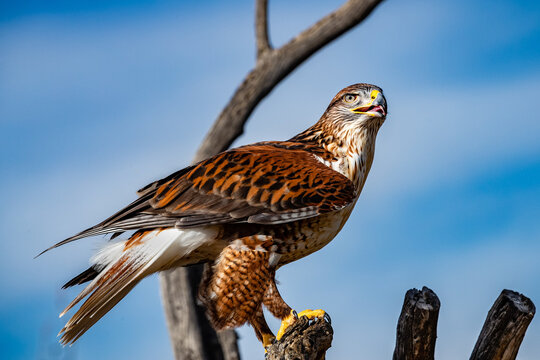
123 265
246 212
245 263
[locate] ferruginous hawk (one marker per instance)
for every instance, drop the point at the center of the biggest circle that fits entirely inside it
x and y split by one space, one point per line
246 212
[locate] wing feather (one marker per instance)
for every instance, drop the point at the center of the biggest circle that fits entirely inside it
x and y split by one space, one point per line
266 183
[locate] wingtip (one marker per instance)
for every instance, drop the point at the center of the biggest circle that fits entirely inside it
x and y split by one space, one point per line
63 242
43 252
55 246
63 340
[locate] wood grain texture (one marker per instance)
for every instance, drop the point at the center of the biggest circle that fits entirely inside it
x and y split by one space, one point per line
304 340
261 27
192 336
417 326
272 66
505 327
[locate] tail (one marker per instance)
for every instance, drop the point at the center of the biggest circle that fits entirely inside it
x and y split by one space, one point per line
116 269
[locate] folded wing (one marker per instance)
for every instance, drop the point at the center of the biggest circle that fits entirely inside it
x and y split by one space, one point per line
265 183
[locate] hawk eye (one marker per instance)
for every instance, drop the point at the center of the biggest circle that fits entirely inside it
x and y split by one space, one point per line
350 98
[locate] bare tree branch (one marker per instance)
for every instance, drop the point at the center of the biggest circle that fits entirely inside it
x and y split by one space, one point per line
273 68
505 327
187 324
192 336
261 28
417 326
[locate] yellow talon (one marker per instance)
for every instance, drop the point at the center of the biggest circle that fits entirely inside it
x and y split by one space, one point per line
285 323
312 314
267 340
292 317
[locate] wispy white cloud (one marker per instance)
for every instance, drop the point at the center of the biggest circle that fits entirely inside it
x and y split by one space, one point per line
95 107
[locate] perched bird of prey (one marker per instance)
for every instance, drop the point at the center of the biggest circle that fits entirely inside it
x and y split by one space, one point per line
246 212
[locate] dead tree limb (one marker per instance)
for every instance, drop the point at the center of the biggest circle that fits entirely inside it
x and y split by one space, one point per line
273 66
261 28
417 326
304 340
504 328
189 330
187 324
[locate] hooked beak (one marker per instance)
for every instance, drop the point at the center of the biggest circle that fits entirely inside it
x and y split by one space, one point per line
376 108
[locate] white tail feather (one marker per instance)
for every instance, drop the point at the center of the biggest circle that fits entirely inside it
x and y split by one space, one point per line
123 265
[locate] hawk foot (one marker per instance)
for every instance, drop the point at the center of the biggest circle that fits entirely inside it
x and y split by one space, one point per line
293 316
267 340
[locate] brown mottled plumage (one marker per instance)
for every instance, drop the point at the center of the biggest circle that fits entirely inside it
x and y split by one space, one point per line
246 212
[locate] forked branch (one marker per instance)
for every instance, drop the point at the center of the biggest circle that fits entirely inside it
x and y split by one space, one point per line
500 338
273 68
190 331
261 28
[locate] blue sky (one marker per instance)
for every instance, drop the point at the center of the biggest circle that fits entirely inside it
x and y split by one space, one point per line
98 98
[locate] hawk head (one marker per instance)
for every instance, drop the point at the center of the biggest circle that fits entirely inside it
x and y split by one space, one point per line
359 104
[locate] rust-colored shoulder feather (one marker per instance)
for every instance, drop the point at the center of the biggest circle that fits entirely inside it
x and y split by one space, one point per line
265 183
245 213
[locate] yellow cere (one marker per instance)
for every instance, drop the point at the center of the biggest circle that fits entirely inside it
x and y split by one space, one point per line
374 94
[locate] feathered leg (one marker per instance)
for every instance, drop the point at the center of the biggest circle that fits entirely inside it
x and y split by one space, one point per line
262 330
274 302
279 308
233 289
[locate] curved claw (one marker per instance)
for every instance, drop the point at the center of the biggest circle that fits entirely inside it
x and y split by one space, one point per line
327 318
293 316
